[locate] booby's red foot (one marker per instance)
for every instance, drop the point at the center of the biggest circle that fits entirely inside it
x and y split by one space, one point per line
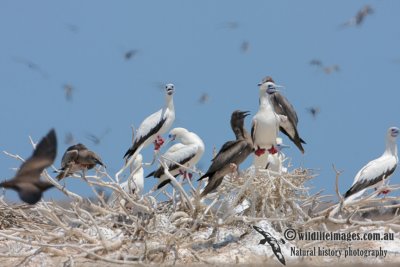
385 192
272 150
158 143
186 175
259 151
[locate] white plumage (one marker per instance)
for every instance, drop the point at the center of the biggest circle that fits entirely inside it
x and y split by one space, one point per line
274 162
187 153
375 172
155 125
265 124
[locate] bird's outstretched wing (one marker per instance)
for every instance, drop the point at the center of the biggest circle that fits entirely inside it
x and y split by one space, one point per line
43 156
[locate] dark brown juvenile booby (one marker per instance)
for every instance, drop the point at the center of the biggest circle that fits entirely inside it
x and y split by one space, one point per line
283 107
27 180
231 152
77 158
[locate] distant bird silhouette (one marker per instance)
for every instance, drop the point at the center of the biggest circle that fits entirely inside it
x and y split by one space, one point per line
232 152
73 28
245 46
272 242
68 90
78 158
359 18
232 25
32 66
204 98
130 54
314 111
69 138
316 62
331 69
96 139
27 180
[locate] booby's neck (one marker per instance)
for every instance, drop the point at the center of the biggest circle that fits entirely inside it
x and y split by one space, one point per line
239 131
391 146
265 103
169 101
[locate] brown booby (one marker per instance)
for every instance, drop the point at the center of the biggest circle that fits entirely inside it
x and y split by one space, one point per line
27 180
78 158
231 153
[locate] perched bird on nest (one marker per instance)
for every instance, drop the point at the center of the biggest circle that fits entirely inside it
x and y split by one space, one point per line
187 153
27 180
231 154
78 158
377 171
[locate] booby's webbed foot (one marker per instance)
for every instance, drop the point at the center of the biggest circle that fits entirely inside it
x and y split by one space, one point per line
272 150
158 143
186 175
259 151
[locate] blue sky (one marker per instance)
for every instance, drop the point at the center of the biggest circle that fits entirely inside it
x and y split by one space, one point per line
190 44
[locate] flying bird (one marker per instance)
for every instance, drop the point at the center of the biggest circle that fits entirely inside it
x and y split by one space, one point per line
268 238
130 54
204 98
245 47
68 91
377 171
316 62
151 129
358 19
331 69
232 152
187 153
32 66
265 123
314 111
283 107
78 158
27 180
96 139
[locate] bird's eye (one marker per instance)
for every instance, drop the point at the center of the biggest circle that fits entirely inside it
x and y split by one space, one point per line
170 135
270 86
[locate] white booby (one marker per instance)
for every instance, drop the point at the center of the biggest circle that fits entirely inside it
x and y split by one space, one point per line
158 123
265 124
27 180
283 107
135 182
187 153
78 158
377 171
231 153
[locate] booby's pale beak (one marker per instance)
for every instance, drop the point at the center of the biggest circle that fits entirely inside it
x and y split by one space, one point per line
245 113
283 146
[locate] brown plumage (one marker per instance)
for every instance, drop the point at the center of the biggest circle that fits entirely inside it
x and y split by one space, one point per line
27 180
231 152
77 158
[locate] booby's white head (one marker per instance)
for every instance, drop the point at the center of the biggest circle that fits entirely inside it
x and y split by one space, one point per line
177 133
169 88
393 132
138 161
267 85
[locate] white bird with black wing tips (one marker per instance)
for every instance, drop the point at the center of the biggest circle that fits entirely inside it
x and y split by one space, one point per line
377 171
187 153
151 129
